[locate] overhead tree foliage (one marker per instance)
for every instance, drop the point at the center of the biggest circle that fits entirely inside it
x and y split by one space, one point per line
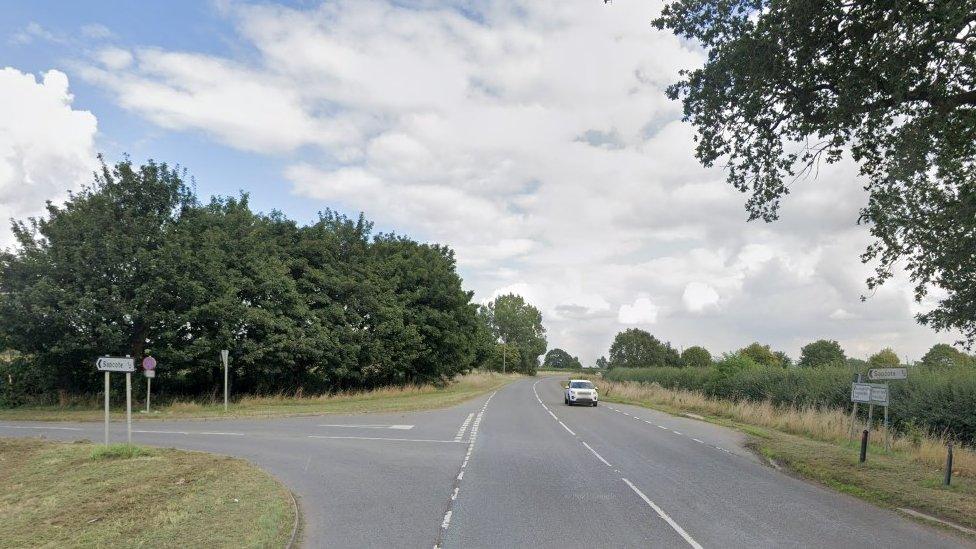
696 357
790 85
602 363
822 352
134 264
636 348
560 359
514 322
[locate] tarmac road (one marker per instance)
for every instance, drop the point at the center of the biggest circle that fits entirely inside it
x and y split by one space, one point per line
518 468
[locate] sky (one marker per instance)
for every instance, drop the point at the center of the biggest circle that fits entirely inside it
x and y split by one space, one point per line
534 138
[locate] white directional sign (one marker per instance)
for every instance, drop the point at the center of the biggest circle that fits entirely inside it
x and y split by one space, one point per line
879 394
861 392
888 373
115 364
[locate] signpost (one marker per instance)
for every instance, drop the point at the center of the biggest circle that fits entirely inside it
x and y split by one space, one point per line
109 364
884 374
223 358
149 369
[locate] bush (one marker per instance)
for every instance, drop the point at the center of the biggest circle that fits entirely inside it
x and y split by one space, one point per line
936 400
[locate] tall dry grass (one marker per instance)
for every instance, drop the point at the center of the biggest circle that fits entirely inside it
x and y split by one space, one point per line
824 424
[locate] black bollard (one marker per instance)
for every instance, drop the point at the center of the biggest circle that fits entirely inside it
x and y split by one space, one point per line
864 445
948 473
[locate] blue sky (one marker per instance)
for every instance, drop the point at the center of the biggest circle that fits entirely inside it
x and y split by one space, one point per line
535 139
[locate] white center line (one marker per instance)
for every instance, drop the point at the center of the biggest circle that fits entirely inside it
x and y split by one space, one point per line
664 515
464 427
400 427
663 427
598 456
553 415
567 428
218 433
162 432
676 432
698 441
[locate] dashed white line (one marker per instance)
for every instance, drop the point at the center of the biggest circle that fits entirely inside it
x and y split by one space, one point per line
676 432
662 514
398 427
553 415
567 428
598 456
162 432
663 427
464 427
219 433
698 441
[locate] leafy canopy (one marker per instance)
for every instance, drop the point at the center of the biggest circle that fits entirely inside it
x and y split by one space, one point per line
636 348
885 358
764 356
822 352
560 359
512 321
134 264
788 85
697 357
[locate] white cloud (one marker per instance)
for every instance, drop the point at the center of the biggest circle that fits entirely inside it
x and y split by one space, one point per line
641 311
46 147
536 139
699 296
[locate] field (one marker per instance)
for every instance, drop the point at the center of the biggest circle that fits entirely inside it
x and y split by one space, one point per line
83 495
394 399
815 443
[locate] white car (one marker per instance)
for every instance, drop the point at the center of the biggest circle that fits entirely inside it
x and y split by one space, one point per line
580 391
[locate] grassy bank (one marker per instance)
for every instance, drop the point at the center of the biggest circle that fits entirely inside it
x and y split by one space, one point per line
814 443
82 495
395 399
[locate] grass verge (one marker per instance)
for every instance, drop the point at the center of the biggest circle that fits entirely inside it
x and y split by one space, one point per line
83 495
394 399
814 444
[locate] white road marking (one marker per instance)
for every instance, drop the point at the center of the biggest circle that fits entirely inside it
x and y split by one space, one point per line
553 415
162 432
676 432
663 427
48 428
598 456
567 428
447 519
698 441
218 433
464 427
383 438
400 427
662 514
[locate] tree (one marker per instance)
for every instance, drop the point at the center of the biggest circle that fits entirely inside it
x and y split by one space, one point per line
885 358
560 359
133 264
504 358
764 356
602 363
697 357
822 352
788 85
635 348
942 355
513 321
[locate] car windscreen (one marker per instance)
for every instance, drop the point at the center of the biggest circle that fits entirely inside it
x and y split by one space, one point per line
580 385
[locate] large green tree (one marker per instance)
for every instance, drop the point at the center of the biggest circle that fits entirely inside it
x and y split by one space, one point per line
885 358
822 352
636 348
942 355
513 321
133 265
696 357
789 85
560 359
764 356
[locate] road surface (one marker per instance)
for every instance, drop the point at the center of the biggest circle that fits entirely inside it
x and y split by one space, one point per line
517 468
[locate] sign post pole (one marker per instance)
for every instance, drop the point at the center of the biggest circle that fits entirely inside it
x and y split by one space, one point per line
887 442
149 370
223 358
109 364
106 407
128 407
854 413
148 392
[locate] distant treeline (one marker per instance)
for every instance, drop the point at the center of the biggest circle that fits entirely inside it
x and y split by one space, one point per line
135 265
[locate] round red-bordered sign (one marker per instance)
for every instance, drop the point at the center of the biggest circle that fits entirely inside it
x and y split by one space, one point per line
148 363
